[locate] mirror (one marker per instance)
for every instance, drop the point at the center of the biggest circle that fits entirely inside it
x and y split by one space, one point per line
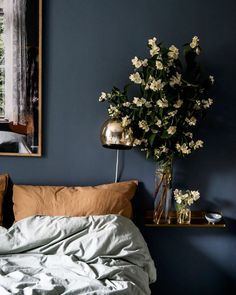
20 77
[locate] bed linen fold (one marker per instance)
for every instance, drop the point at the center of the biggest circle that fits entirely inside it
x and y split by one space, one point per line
75 255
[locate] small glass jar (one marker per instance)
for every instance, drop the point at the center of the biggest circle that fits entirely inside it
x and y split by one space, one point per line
184 215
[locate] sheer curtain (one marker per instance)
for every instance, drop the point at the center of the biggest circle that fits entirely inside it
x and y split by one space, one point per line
15 60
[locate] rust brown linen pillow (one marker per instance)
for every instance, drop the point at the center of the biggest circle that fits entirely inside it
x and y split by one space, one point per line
3 189
113 198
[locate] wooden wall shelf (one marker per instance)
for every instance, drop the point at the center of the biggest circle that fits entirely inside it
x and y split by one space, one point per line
197 220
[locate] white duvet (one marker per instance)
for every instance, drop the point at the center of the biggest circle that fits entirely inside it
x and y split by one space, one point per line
74 255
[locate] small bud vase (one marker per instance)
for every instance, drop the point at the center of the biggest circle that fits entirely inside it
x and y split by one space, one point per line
183 215
163 192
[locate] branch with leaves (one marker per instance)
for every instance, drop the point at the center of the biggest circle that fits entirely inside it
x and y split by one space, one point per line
172 98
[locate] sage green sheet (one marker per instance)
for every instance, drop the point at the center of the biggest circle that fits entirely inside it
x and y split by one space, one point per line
74 255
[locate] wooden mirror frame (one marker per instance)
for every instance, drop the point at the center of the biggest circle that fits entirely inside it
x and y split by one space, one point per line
22 130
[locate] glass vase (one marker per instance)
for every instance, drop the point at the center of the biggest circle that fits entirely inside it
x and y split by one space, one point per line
183 215
163 192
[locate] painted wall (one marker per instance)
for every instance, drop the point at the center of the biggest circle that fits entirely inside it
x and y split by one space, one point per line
88 46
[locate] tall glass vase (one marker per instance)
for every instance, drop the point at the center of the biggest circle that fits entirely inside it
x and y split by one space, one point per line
163 192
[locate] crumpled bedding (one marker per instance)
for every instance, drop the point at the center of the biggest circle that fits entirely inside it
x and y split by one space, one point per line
74 255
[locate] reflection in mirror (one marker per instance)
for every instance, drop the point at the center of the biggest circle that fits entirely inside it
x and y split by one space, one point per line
20 77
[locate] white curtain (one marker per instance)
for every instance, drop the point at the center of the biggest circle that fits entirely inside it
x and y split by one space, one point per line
15 60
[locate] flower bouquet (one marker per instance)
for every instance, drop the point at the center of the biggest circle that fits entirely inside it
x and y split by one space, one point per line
170 98
184 199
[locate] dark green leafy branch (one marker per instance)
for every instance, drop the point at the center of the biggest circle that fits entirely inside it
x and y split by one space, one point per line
173 98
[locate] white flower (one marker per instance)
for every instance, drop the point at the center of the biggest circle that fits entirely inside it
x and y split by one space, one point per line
178 199
189 134
198 144
136 101
104 96
152 42
136 78
147 86
197 50
162 103
195 195
145 62
212 79
186 197
178 103
207 103
136 62
155 50
159 65
150 79
189 201
169 64
126 104
191 144
174 49
137 142
143 83
184 149
113 111
157 154
156 85
176 192
173 52
171 130
148 104
164 149
192 121
197 105
158 123
175 80
143 125
195 42
125 121
139 101
178 196
149 82
172 114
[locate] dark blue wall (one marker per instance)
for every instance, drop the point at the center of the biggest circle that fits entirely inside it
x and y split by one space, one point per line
88 46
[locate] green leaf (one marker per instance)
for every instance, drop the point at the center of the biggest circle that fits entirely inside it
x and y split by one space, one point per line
148 153
165 135
126 87
161 112
116 89
140 112
152 138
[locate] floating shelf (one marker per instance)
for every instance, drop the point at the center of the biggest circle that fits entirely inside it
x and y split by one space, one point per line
197 220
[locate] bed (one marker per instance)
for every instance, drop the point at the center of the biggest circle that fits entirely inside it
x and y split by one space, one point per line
93 254
12 142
